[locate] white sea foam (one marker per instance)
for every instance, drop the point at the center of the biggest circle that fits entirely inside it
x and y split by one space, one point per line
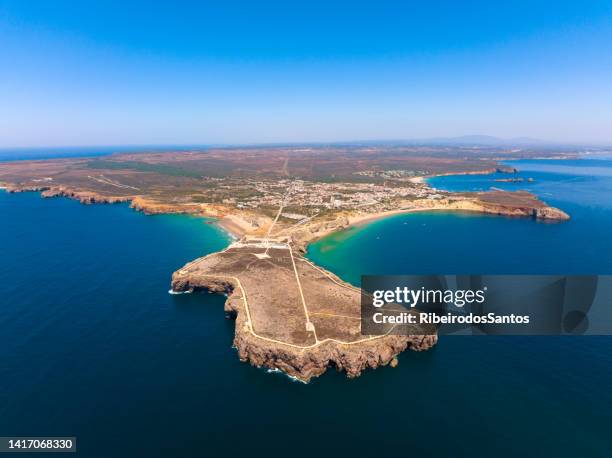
171 291
290 377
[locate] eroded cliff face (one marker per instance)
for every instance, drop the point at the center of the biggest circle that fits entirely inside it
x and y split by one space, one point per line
307 364
551 213
267 345
137 202
527 206
84 197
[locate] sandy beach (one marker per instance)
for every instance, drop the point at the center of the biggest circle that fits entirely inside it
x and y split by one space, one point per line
235 225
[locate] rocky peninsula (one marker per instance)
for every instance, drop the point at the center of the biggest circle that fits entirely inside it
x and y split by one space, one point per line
292 315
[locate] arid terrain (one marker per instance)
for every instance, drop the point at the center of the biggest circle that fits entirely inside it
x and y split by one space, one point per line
291 315
244 187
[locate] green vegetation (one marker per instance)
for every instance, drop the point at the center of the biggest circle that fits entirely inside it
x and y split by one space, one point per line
162 169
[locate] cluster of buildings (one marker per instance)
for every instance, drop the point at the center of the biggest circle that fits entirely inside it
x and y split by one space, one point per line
320 195
391 173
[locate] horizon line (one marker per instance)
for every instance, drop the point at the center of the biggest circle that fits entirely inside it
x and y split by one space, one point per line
462 140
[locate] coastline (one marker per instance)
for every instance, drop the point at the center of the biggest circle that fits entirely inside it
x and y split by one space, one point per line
501 169
236 224
235 227
424 179
303 361
546 213
363 220
285 345
360 220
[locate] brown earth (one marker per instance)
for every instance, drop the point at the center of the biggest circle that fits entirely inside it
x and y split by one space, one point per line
278 328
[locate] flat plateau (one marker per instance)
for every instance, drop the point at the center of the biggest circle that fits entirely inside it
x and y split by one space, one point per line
290 314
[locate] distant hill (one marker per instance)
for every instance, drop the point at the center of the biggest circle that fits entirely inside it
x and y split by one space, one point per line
483 140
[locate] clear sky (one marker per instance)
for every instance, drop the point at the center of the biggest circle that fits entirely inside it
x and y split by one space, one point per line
176 72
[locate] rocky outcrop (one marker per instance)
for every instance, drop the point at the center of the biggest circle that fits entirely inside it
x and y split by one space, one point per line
550 213
84 197
153 207
517 204
488 171
13 188
302 362
147 206
307 233
306 364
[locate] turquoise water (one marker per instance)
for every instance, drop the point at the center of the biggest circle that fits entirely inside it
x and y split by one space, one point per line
437 242
94 346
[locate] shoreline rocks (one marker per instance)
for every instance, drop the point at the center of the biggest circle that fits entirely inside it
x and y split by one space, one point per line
302 363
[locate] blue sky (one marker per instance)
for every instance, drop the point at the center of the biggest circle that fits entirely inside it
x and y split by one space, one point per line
100 73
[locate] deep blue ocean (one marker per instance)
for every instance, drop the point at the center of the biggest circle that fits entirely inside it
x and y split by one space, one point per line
93 345
31 153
